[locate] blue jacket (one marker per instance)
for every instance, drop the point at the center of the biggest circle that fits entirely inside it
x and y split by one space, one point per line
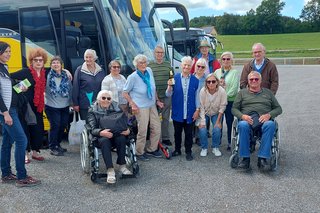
177 99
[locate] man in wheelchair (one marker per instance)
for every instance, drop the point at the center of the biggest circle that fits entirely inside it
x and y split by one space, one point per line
255 107
106 138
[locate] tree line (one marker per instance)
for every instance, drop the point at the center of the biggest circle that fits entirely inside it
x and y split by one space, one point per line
266 19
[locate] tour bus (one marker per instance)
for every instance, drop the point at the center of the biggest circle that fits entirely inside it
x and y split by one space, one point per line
182 42
116 29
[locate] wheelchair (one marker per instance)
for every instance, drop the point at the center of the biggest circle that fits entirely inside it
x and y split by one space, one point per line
90 161
255 138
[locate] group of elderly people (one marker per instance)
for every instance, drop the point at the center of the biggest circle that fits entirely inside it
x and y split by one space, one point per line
204 92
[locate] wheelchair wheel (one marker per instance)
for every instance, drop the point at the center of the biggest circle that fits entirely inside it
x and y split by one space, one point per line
94 177
84 152
135 169
234 160
234 135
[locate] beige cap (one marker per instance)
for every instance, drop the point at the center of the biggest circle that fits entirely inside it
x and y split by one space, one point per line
204 43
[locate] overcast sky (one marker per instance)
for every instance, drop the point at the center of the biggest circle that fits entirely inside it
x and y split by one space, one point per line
198 8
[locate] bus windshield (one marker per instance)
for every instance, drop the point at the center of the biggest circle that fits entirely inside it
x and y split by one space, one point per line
128 37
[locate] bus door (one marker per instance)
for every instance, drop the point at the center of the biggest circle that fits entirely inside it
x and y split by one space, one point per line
81 33
37 30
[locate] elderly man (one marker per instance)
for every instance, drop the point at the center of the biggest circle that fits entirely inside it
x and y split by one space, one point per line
255 107
264 66
161 71
185 106
212 63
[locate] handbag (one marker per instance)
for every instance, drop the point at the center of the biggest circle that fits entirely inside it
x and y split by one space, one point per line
117 122
76 128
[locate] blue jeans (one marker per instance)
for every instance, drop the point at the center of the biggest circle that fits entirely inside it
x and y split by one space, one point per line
11 134
268 129
58 118
216 134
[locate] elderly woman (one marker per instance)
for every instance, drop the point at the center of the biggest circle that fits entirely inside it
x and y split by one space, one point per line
229 80
213 101
36 74
86 83
57 102
115 82
106 139
140 92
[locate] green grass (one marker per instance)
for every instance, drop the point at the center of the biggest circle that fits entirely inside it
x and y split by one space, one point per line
277 45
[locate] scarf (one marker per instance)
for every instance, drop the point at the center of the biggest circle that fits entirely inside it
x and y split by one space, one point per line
63 88
39 87
146 79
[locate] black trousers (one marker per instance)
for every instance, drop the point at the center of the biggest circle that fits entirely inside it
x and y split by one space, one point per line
106 145
187 128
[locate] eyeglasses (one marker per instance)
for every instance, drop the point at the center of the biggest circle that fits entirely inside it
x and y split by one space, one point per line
115 67
142 62
104 98
211 82
201 66
254 79
255 52
224 59
159 52
37 60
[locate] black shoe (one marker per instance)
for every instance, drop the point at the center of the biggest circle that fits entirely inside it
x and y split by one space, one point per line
262 163
176 153
189 157
167 142
229 148
244 164
56 152
62 149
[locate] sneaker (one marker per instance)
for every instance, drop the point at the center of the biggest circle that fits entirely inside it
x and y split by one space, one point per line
62 149
189 157
124 170
28 181
111 176
167 142
143 157
155 154
244 164
216 152
56 152
203 152
9 179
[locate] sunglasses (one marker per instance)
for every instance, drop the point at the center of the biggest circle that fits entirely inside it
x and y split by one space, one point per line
104 98
254 79
201 66
226 59
37 60
211 82
116 67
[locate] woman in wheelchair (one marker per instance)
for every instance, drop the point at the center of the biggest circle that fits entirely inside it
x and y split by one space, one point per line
255 106
106 139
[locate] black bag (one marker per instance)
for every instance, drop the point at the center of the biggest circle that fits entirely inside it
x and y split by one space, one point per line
256 124
115 121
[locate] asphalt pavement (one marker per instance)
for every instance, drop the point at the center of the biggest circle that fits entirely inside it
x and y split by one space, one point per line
206 184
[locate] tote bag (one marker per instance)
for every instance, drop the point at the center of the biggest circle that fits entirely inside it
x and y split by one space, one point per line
76 128
115 121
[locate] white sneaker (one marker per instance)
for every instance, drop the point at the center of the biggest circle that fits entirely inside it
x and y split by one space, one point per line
111 176
203 152
124 170
216 152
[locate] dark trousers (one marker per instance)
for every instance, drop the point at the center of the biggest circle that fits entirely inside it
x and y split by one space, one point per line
106 144
187 128
58 118
229 120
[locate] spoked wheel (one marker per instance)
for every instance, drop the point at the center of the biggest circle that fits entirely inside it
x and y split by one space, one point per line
94 177
135 169
234 135
84 152
274 162
234 160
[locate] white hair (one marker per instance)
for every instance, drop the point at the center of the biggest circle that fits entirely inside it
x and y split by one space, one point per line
91 52
186 59
100 94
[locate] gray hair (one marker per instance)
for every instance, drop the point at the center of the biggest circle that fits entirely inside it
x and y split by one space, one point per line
259 44
103 92
186 59
254 73
92 52
139 58
158 47
202 61
227 53
112 62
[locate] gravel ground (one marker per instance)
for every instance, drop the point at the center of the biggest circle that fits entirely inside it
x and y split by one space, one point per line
207 184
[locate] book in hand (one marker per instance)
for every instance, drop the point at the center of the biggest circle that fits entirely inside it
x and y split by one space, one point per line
22 85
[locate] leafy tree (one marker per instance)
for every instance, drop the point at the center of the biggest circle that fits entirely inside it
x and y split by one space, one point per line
268 16
311 14
250 22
